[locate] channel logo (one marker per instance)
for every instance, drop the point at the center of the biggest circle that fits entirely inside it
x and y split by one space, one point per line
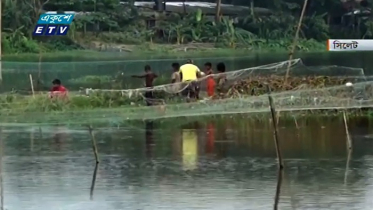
53 25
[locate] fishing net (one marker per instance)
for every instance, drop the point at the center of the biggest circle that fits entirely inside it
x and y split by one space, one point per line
249 81
243 91
341 97
95 74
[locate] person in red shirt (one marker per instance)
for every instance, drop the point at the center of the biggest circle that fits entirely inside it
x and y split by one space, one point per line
210 80
58 89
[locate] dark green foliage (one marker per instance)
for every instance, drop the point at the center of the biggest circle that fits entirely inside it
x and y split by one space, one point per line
109 21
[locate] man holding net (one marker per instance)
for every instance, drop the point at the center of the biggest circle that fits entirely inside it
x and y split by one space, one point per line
189 73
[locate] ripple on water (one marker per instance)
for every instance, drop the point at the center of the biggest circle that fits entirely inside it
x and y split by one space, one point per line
59 177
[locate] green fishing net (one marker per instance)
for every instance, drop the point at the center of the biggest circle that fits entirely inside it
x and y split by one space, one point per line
311 88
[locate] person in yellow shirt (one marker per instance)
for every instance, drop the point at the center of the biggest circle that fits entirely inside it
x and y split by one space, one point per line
189 73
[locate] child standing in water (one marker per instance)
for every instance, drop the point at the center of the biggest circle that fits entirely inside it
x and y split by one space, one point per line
149 77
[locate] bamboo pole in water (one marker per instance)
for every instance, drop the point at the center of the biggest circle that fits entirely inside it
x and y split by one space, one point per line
275 131
94 146
93 181
349 146
295 40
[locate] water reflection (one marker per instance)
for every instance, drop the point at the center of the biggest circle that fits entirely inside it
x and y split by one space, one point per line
1 170
190 149
60 135
224 165
278 188
149 139
210 138
93 181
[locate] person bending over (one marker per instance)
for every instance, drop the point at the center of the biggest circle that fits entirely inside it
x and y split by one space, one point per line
149 77
189 73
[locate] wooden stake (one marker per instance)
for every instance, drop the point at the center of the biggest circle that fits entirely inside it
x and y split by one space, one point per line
295 40
94 147
93 181
32 86
278 188
275 132
349 146
349 142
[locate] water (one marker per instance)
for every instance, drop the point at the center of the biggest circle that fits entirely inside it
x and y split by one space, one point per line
16 74
211 165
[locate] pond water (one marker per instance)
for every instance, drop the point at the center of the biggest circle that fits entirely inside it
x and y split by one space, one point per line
16 74
212 165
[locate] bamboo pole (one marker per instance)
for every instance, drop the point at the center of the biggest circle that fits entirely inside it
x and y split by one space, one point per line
278 188
348 137
93 181
296 122
295 40
32 86
348 145
275 131
94 146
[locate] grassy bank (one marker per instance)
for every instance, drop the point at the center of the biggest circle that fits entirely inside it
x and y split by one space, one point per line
166 51
117 109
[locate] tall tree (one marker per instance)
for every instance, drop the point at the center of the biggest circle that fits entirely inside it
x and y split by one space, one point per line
217 15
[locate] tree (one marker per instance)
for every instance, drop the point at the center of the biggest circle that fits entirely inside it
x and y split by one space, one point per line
218 5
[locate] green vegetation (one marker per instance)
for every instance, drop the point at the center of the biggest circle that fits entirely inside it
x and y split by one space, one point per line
112 26
103 109
132 102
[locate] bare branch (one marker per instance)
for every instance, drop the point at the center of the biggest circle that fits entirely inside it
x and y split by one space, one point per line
46 2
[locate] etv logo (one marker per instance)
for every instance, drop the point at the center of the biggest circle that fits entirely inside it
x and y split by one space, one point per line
51 30
51 24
